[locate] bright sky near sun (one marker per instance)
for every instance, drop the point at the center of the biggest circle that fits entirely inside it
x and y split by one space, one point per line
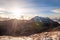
30 8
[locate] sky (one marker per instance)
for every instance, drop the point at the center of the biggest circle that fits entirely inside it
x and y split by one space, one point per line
17 8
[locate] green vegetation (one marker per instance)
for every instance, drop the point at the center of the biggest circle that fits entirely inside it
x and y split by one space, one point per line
37 26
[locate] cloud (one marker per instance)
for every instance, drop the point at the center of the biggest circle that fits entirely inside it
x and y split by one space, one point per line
56 10
25 6
2 9
12 3
56 13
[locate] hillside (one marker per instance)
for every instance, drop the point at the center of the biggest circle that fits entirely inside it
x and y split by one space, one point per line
16 27
29 30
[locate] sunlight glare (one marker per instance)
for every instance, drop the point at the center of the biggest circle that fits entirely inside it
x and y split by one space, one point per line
16 12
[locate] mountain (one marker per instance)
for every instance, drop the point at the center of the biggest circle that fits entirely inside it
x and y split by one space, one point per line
45 21
4 19
14 27
42 19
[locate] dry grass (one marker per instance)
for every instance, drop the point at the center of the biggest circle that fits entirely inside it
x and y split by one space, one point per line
49 35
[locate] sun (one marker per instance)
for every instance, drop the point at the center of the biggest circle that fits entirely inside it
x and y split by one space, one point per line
16 12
